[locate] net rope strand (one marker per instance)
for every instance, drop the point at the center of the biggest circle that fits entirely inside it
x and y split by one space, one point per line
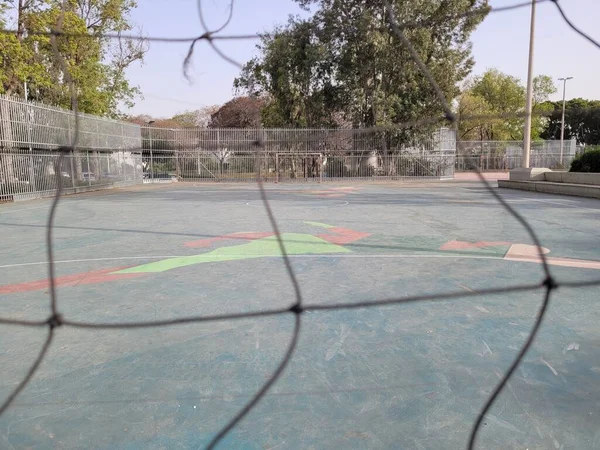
549 282
547 285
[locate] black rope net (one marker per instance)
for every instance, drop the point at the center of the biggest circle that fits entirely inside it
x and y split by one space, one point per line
547 284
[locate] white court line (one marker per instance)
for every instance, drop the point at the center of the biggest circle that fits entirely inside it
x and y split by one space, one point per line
10 210
520 199
67 261
564 202
297 206
341 255
48 200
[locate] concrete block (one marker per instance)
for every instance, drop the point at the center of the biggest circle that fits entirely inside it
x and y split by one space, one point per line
522 185
532 173
586 178
573 178
578 190
555 177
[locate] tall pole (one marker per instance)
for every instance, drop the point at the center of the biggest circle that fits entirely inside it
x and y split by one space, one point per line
529 102
562 120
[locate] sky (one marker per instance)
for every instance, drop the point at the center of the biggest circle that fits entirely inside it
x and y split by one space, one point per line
501 41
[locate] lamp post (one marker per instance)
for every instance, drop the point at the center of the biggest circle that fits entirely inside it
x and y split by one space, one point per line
529 102
562 120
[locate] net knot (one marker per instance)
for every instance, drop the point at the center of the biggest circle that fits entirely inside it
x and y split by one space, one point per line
297 309
550 283
55 321
450 117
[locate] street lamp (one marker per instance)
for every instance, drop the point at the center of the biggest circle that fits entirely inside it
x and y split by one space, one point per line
529 102
562 120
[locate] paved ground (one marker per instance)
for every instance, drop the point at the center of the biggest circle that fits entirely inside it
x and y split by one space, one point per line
411 376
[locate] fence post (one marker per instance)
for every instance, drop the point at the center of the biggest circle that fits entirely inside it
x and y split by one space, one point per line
276 167
320 168
71 157
31 169
87 155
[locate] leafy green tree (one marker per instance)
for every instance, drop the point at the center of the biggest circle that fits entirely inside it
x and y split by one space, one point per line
96 64
346 63
479 127
497 94
195 118
582 121
505 96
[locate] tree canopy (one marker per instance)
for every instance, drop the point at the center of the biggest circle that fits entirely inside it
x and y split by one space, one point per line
497 94
582 121
345 64
96 64
240 112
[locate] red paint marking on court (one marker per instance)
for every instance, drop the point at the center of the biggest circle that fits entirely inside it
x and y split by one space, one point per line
243 236
461 245
343 236
330 195
97 276
346 189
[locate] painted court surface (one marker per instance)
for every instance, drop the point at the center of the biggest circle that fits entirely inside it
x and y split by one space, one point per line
410 376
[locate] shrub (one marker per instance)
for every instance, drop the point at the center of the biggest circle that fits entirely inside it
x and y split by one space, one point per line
587 162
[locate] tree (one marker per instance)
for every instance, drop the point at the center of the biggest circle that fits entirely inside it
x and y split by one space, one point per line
196 118
346 60
543 88
240 112
505 96
582 121
95 63
480 127
497 94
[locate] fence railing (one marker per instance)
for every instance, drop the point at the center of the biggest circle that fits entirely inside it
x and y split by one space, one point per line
506 155
111 152
28 125
202 166
108 151
293 140
34 175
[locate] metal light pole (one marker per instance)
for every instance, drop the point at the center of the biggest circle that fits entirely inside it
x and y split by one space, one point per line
529 102
562 120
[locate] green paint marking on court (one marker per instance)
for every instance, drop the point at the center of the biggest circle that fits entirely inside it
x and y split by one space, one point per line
318 224
295 244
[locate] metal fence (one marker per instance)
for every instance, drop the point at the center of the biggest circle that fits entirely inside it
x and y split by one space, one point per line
280 167
293 140
34 175
28 125
294 154
505 155
108 151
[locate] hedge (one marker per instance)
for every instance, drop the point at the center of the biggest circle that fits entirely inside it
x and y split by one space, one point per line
587 162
